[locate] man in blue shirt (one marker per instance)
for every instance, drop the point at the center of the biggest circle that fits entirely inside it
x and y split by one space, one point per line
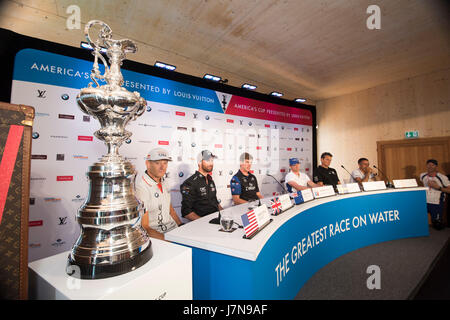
244 186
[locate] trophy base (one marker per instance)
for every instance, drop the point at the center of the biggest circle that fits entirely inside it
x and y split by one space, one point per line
101 271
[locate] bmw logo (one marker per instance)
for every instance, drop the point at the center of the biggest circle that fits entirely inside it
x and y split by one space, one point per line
128 141
230 172
193 144
181 174
207 117
156 195
35 135
250 123
149 108
65 96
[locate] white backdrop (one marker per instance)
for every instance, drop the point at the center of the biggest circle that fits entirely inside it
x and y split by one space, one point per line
64 146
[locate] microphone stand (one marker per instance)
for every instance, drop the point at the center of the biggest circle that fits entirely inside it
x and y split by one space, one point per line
388 184
282 187
342 166
216 220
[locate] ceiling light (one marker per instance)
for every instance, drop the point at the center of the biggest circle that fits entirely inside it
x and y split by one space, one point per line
87 46
248 86
212 77
276 94
300 100
165 66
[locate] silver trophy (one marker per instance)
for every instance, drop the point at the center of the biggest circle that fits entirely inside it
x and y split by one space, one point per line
112 240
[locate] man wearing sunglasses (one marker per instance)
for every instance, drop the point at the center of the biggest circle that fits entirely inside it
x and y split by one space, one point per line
160 217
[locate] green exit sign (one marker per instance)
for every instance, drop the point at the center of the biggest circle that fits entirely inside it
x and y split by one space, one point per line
411 134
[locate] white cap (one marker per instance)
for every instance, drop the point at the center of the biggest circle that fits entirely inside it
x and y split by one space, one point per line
158 154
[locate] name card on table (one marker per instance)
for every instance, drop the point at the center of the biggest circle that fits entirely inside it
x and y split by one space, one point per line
375 185
322 192
405 183
303 196
254 220
286 202
348 188
280 204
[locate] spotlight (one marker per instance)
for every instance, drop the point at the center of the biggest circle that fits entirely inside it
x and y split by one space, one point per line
212 77
300 100
87 46
276 94
165 66
248 86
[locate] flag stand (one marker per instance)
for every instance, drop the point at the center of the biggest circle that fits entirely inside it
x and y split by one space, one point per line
255 233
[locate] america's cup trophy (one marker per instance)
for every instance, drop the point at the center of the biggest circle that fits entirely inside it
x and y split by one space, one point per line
112 240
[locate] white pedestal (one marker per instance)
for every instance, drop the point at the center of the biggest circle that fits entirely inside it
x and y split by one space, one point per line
168 275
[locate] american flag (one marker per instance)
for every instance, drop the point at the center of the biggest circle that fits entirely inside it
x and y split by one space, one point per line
276 206
250 223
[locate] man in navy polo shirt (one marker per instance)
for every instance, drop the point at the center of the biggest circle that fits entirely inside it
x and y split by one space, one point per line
324 175
244 186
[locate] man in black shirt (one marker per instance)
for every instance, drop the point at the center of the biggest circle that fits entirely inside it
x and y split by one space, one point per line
199 191
324 175
244 186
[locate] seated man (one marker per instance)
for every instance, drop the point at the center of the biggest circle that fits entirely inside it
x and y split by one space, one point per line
364 173
438 185
199 191
296 180
324 175
159 217
244 186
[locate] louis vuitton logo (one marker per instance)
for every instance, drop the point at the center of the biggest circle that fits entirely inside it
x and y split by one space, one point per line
41 93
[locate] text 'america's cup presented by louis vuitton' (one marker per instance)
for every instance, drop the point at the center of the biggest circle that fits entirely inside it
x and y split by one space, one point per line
112 240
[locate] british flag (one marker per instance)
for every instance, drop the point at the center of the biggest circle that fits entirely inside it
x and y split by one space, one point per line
276 206
250 223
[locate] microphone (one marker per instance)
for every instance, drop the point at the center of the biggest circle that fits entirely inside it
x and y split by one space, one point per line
282 187
349 173
388 184
215 220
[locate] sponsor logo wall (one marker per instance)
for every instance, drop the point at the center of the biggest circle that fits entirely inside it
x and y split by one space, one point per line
182 118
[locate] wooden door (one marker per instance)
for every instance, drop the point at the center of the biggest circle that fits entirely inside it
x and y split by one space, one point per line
405 159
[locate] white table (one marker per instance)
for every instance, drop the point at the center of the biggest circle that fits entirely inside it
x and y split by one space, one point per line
168 275
256 264
201 234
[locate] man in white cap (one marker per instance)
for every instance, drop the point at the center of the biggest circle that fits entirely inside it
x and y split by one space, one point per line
199 191
160 217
